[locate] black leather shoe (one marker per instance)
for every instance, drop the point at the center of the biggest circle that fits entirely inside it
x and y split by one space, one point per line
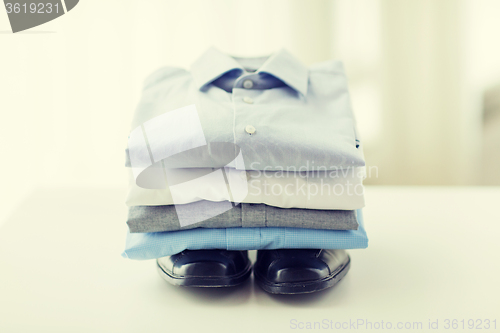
205 268
290 271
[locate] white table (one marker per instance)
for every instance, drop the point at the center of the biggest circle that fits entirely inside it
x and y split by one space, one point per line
433 255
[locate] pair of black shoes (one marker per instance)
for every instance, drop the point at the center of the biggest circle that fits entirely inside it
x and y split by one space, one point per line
283 271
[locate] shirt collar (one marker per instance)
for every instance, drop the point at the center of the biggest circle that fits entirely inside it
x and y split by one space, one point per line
212 64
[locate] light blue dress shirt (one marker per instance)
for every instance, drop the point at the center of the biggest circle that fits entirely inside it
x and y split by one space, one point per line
142 246
280 114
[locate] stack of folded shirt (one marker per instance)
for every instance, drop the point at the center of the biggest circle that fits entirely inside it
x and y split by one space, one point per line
244 154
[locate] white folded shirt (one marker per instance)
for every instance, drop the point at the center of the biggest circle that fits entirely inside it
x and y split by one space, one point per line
334 189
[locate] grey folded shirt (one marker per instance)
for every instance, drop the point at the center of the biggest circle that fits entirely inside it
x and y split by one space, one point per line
164 218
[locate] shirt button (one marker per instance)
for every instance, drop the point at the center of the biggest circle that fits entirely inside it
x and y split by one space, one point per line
250 129
248 100
247 84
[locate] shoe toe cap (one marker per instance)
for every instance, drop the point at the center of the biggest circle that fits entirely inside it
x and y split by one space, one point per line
207 263
205 269
286 271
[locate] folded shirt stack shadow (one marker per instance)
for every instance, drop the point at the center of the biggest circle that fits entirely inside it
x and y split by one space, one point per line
244 154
